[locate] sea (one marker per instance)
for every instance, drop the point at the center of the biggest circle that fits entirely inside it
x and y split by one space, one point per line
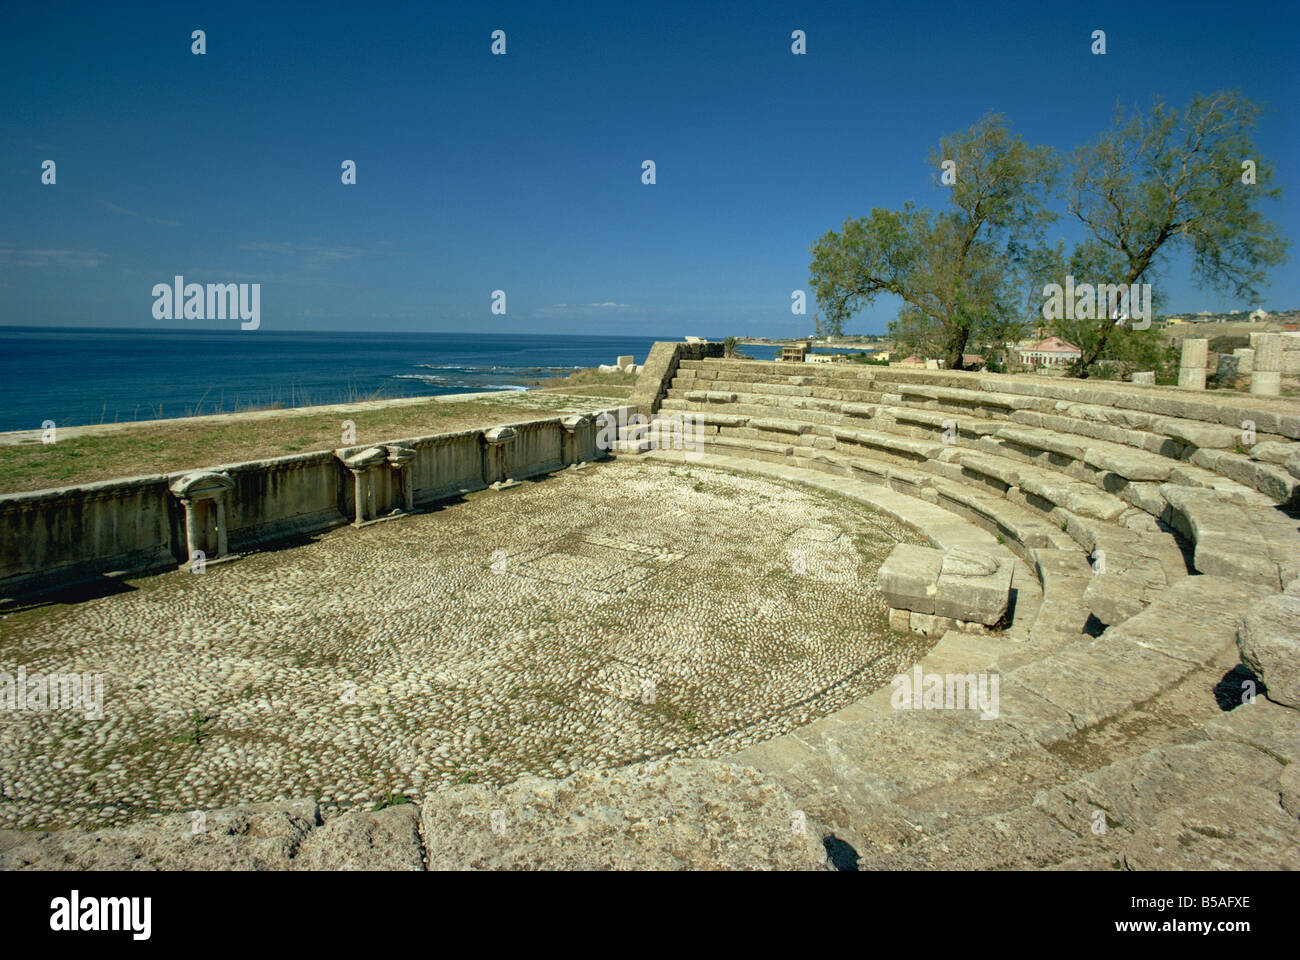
75 376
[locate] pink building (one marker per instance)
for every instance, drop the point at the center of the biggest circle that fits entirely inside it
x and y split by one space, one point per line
1052 352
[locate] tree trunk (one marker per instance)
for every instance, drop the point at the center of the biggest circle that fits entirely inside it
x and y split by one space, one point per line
1088 358
956 348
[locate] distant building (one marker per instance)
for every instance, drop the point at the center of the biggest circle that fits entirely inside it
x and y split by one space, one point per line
796 352
1052 352
1258 316
973 361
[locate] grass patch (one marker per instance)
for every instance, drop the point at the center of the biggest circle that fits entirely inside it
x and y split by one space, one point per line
194 734
171 445
590 377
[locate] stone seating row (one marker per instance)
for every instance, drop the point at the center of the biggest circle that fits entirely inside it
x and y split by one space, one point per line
1214 447
1119 402
948 789
1073 481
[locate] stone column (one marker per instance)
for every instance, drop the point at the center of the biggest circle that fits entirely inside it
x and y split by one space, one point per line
496 443
192 538
361 464
206 492
220 504
359 495
1266 379
1245 361
400 459
1191 370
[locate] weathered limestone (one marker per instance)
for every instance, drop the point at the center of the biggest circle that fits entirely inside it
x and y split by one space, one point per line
1191 368
1269 640
1146 377
496 455
661 367
364 466
205 498
1245 361
1266 379
289 835
959 584
682 815
579 439
399 459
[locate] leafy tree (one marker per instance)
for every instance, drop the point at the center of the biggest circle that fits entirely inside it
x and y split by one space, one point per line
1165 180
956 271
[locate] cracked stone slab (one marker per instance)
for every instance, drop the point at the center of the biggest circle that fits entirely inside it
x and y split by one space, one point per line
696 815
1132 793
1269 640
387 839
1094 681
265 836
1263 725
1246 829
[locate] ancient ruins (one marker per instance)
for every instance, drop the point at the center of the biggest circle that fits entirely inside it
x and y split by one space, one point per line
866 617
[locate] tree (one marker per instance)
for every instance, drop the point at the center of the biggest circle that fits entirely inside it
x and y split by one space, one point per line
1165 180
955 271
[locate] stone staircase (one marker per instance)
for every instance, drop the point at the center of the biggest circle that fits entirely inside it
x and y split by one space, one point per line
1142 538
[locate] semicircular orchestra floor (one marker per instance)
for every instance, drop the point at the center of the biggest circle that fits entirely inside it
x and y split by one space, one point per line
604 615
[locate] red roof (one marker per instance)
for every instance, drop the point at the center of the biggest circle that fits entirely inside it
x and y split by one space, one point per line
1054 345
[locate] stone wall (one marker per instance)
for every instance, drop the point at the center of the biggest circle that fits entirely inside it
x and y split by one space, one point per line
1290 365
660 368
277 498
65 537
52 536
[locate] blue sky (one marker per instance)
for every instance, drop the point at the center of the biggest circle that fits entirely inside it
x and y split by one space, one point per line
523 172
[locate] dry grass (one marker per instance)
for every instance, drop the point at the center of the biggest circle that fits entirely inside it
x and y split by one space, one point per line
580 381
164 446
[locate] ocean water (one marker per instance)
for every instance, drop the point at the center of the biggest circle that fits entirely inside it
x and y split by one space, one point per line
77 376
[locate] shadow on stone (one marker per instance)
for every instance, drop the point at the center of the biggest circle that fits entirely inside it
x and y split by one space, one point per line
1228 692
841 855
101 586
1185 547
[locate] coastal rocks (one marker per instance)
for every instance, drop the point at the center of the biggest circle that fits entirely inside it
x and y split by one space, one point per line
1269 640
687 815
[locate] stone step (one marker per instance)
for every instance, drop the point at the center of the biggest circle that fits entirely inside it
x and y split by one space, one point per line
1106 463
1135 562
